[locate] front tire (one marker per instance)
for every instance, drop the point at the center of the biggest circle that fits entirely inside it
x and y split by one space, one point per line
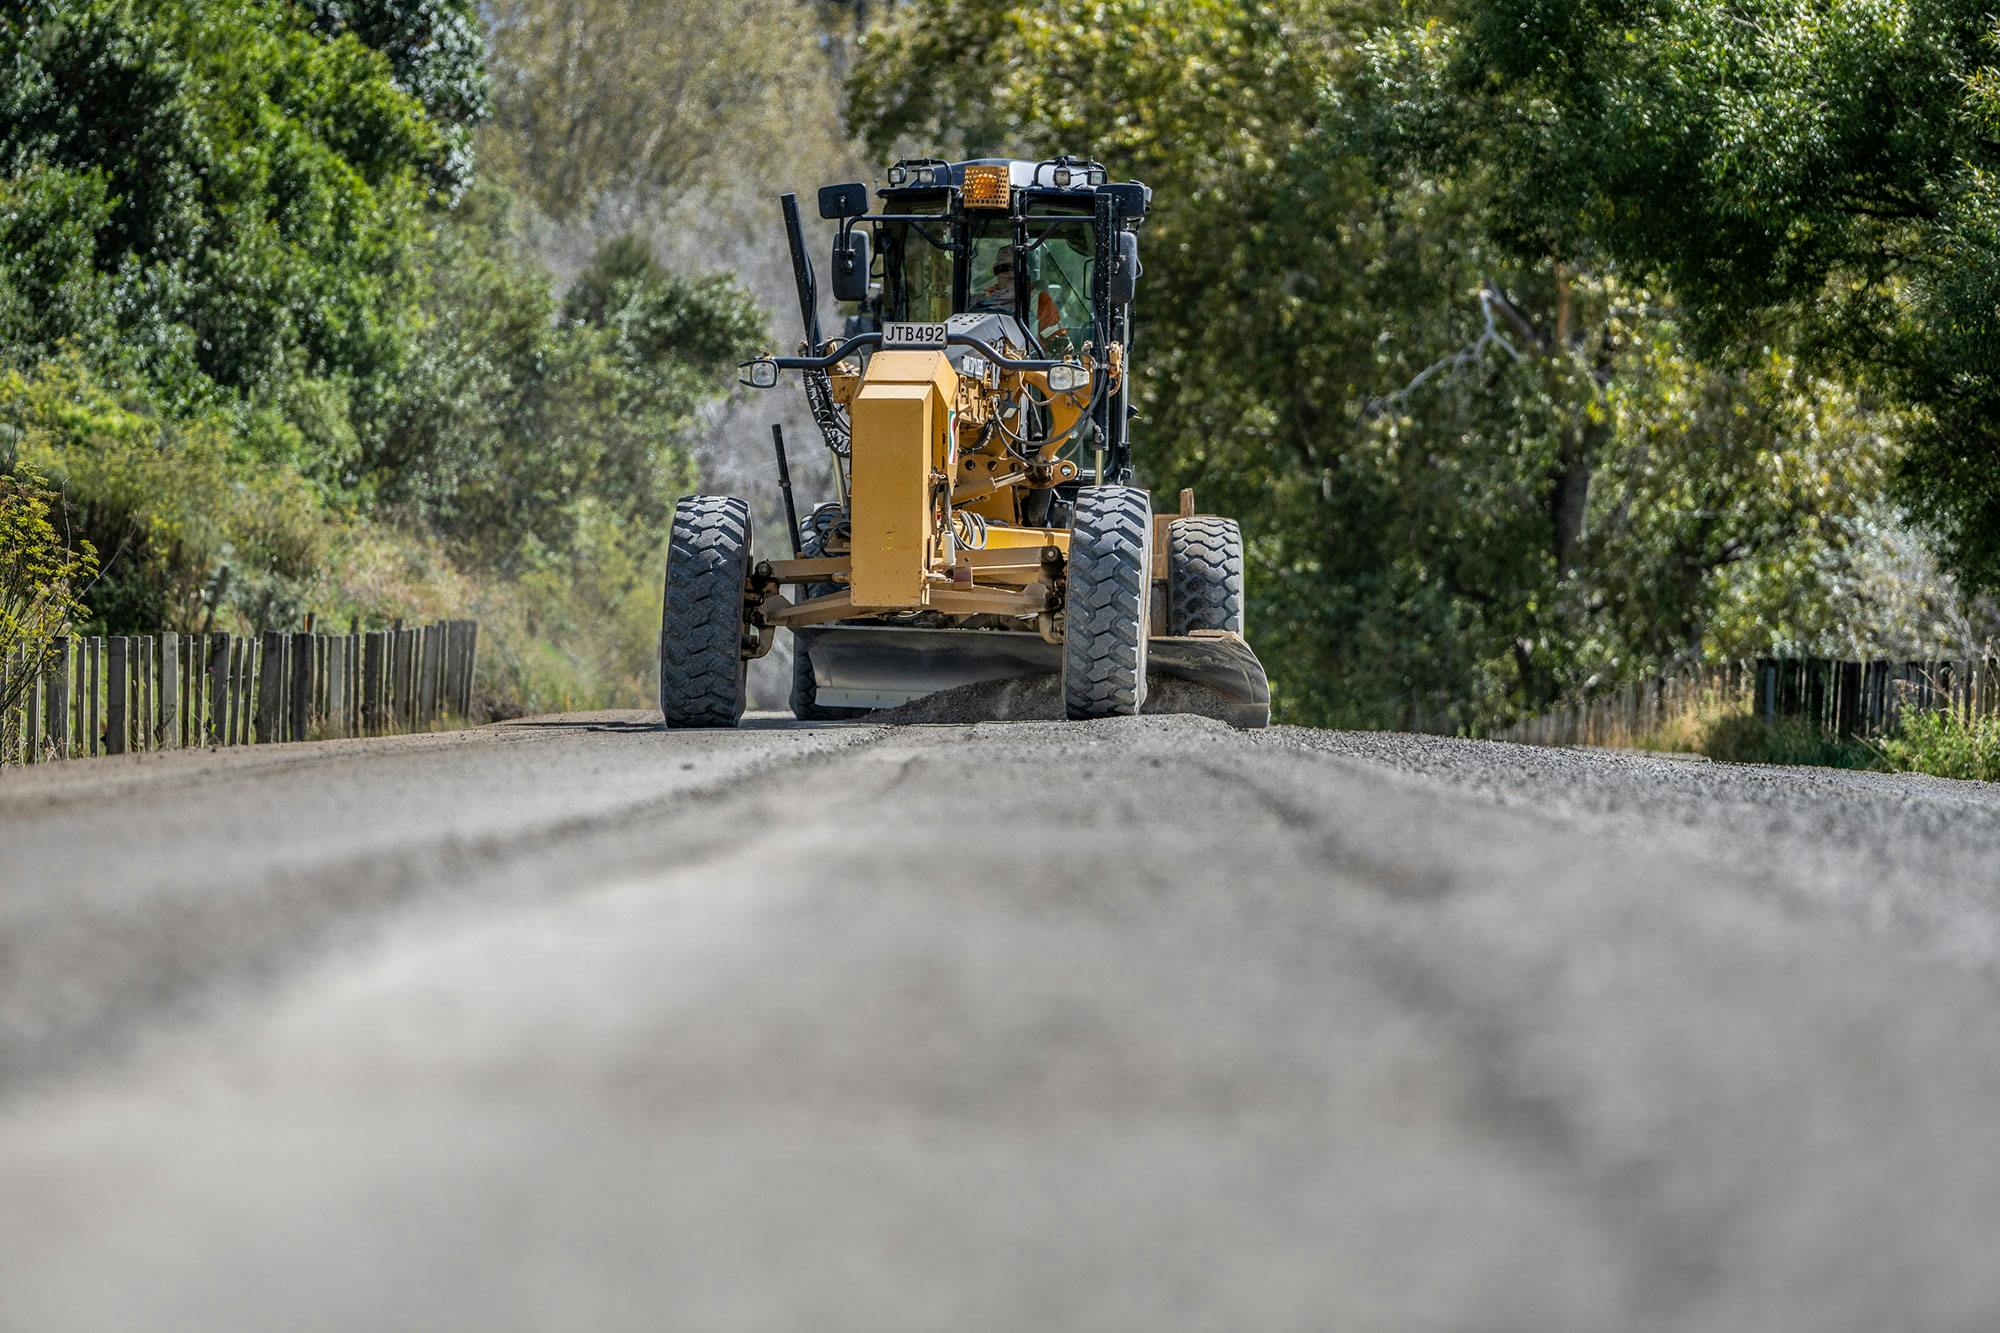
703 672
1106 611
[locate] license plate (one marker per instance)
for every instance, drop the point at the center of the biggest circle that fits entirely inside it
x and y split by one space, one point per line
897 333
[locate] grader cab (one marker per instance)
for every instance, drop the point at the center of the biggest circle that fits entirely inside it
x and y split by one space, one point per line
986 525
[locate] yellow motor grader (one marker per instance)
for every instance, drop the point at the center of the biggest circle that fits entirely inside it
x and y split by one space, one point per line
986 526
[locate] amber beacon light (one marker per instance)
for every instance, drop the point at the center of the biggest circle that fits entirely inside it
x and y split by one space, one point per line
986 187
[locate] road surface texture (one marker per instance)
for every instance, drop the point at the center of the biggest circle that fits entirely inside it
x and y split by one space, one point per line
1135 1025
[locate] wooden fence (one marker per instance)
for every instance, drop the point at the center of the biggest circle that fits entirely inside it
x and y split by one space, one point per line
119 693
1845 699
1627 715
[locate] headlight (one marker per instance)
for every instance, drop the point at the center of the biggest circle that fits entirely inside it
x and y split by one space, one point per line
1068 377
759 374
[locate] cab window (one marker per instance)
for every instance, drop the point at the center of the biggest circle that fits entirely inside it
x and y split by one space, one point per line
1061 266
917 271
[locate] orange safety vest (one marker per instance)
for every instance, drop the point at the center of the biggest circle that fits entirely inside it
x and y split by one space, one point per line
1048 319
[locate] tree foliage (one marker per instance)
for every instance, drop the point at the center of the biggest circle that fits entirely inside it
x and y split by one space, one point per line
228 199
1815 175
277 350
514 406
436 51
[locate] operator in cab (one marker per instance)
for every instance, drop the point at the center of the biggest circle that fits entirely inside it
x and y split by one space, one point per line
997 297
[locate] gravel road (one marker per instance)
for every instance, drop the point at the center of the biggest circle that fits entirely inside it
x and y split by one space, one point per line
573 1024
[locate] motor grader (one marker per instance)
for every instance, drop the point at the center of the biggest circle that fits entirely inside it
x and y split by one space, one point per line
985 524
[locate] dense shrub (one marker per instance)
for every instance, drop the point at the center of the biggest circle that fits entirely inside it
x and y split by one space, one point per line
1944 745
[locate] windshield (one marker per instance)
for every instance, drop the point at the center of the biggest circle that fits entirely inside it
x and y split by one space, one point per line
1050 292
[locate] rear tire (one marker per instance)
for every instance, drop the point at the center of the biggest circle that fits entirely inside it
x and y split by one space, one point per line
1204 575
703 672
1106 611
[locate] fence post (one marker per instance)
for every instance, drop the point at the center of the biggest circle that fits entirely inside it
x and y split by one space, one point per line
31 721
299 722
78 722
419 675
427 693
170 692
316 694
117 694
192 665
213 732
441 701
471 665
95 739
218 654
354 690
402 677
242 685
271 689
374 660
336 685
55 719
143 705
454 662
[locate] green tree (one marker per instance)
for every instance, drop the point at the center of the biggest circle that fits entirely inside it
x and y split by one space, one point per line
1815 175
515 408
436 49
250 191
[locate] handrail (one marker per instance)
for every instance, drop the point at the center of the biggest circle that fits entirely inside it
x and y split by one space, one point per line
848 347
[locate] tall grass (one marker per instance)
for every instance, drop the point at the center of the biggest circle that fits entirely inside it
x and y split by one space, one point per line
1941 744
1944 745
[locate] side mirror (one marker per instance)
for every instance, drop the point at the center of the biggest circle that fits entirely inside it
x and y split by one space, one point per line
1123 282
843 201
759 374
850 268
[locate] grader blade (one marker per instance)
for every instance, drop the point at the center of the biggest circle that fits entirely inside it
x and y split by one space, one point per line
884 666
1223 665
